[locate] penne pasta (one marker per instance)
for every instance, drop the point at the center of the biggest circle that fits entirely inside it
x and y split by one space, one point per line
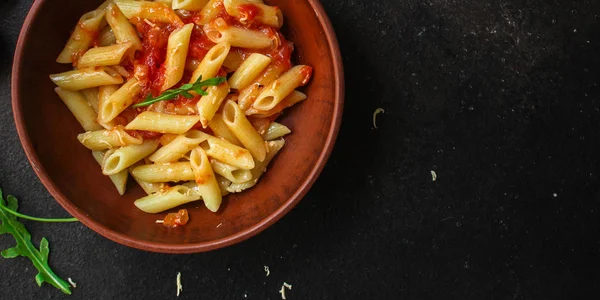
232 173
282 87
91 95
119 100
165 200
104 93
249 11
151 11
248 95
212 62
290 100
86 78
119 179
107 139
177 50
234 118
106 37
104 56
248 71
210 11
84 33
233 61
148 187
163 123
80 108
275 131
220 129
228 153
219 32
179 147
117 160
209 104
206 180
121 28
191 5
260 168
141 105
173 172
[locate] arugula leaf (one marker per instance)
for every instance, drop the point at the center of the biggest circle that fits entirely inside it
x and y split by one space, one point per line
183 90
24 247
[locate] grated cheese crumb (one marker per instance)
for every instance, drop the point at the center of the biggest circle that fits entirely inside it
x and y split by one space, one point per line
267 270
283 287
433 175
160 221
179 286
73 284
219 225
377 111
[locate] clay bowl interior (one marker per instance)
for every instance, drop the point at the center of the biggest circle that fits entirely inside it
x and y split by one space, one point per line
48 133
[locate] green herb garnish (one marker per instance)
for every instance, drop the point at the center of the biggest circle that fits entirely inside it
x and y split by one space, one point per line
183 90
9 224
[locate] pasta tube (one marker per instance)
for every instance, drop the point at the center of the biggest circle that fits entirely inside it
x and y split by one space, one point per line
106 139
177 50
211 63
86 78
119 100
121 28
282 87
232 173
80 108
228 153
148 187
234 118
209 104
219 32
152 11
275 131
249 70
179 171
104 56
163 123
220 129
119 179
82 36
206 180
268 15
290 100
165 200
179 147
117 160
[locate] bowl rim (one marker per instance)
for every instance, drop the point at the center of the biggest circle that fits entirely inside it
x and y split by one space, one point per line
237 237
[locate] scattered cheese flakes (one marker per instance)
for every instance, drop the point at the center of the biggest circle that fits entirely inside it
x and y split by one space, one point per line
377 111
219 225
283 287
179 286
73 284
267 270
160 221
282 292
433 175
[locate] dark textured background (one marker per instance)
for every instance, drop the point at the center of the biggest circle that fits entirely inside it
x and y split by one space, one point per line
499 97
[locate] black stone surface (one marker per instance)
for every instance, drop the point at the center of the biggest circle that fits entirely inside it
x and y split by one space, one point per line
499 97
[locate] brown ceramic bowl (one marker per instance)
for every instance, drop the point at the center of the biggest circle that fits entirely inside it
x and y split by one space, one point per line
48 133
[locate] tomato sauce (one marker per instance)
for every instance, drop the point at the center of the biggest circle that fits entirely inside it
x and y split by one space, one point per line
149 63
199 44
248 12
